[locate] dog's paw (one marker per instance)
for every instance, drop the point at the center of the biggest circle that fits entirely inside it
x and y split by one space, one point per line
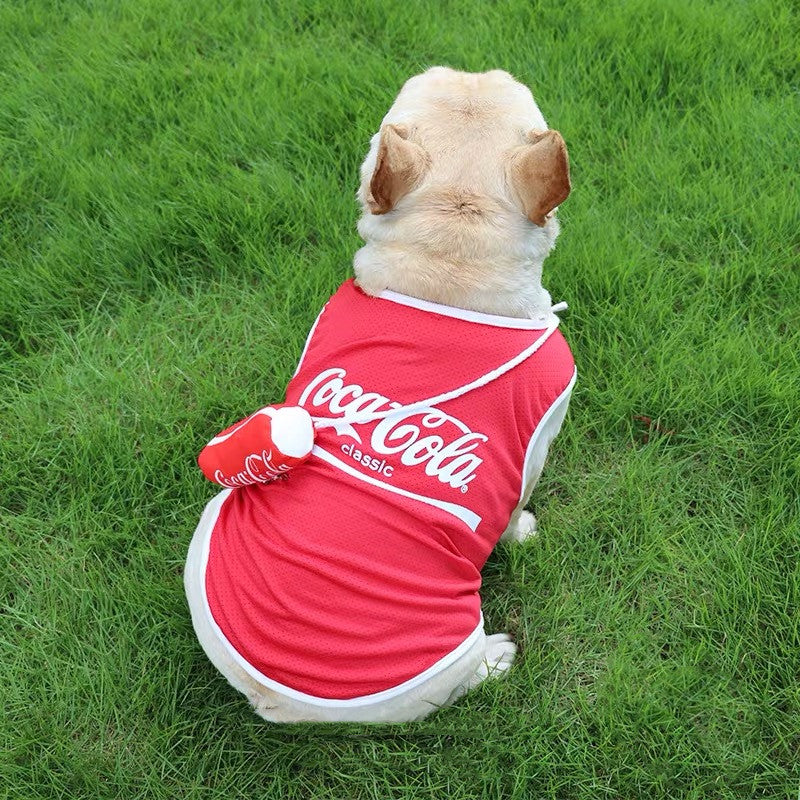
497 658
525 528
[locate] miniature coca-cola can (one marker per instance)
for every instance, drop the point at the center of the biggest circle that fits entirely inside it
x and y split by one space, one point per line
259 448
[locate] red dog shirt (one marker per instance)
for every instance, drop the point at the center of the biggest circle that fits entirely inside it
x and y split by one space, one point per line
360 571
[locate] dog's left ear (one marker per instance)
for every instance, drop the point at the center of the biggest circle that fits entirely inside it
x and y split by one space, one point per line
539 173
400 165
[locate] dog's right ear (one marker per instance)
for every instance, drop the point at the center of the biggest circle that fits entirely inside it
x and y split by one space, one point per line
400 165
540 174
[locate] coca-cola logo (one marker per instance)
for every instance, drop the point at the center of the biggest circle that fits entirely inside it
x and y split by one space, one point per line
423 437
258 468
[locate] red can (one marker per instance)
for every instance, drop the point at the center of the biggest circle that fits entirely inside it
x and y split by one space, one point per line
259 448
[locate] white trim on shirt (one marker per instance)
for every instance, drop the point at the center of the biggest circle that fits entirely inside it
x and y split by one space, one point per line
308 339
471 316
534 457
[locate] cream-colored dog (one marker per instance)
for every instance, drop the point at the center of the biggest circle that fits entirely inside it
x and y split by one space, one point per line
459 191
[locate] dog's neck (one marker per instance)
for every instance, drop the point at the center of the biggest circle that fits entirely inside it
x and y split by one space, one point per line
507 283
510 293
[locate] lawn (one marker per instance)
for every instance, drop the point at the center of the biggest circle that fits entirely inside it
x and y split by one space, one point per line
176 203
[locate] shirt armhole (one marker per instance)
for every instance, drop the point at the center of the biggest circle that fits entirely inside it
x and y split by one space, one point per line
308 339
547 430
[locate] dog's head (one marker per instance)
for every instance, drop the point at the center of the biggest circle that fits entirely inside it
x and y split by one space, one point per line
464 164
473 138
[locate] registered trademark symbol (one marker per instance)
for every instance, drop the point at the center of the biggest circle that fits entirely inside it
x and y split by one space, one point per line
463 490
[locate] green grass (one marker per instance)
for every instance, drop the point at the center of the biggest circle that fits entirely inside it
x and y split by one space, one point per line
176 202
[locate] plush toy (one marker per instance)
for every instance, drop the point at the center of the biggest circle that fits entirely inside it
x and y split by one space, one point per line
259 448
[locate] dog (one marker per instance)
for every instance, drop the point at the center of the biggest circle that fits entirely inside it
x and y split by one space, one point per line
437 378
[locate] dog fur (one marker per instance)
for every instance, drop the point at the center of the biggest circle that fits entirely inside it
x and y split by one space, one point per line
458 192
